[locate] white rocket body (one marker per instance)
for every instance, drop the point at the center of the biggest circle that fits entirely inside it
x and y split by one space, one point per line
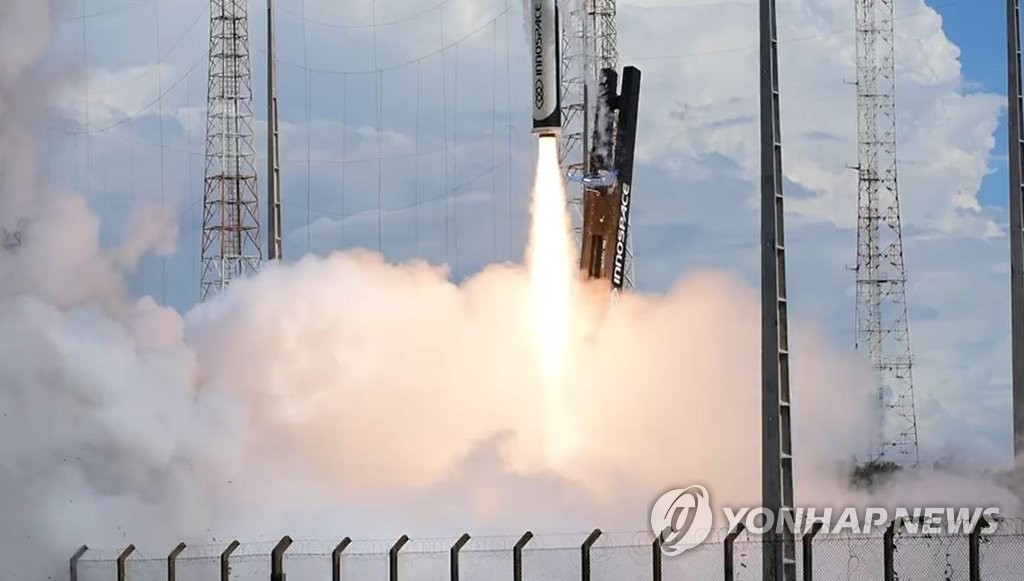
547 107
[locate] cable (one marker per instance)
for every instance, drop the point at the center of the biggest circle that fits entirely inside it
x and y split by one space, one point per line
174 45
455 164
160 91
191 191
416 163
104 11
913 14
344 130
399 65
379 80
444 130
104 206
142 110
88 119
508 105
494 139
422 202
309 137
374 24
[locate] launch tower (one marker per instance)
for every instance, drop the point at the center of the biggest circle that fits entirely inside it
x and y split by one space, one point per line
230 245
883 334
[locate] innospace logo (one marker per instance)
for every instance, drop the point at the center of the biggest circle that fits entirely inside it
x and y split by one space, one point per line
682 518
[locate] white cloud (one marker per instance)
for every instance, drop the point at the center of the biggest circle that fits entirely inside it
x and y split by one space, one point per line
706 103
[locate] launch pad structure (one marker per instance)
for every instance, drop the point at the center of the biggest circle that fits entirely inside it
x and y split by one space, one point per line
575 56
608 181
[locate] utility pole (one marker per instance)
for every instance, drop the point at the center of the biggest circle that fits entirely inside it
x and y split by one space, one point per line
273 143
230 245
1016 150
883 333
778 548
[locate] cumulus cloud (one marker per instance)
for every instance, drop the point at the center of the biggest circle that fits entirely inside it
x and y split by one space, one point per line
701 100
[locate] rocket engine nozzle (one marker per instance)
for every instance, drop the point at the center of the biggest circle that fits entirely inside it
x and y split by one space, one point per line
547 106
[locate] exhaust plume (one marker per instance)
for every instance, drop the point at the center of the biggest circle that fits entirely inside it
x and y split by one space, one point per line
550 261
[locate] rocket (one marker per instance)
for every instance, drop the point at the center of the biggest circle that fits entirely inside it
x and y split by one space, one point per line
547 106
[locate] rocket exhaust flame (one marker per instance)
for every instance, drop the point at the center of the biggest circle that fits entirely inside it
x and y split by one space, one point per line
551 262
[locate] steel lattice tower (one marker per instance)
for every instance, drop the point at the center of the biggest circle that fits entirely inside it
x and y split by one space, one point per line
779 549
882 330
231 245
590 43
1016 207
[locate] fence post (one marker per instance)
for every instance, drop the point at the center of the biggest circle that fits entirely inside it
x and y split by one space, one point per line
336 558
73 563
974 549
172 562
656 559
393 557
121 560
517 556
454 556
225 561
729 540
808 543
585 553
889 550
277 558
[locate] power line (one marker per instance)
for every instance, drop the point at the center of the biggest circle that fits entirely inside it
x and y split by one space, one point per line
309 131
160 57
88 120
443 195
455 163
83 15
140 111
344 130
508 105
416 163
379 104
374 23
444 128
160 91
494 139
402 64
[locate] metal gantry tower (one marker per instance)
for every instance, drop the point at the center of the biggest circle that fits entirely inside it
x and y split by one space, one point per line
882 329
1016 207
779 549
590 42
231 245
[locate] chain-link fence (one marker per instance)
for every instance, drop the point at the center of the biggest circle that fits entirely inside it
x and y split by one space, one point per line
898 554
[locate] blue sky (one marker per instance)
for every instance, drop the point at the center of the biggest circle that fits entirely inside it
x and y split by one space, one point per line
978 27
